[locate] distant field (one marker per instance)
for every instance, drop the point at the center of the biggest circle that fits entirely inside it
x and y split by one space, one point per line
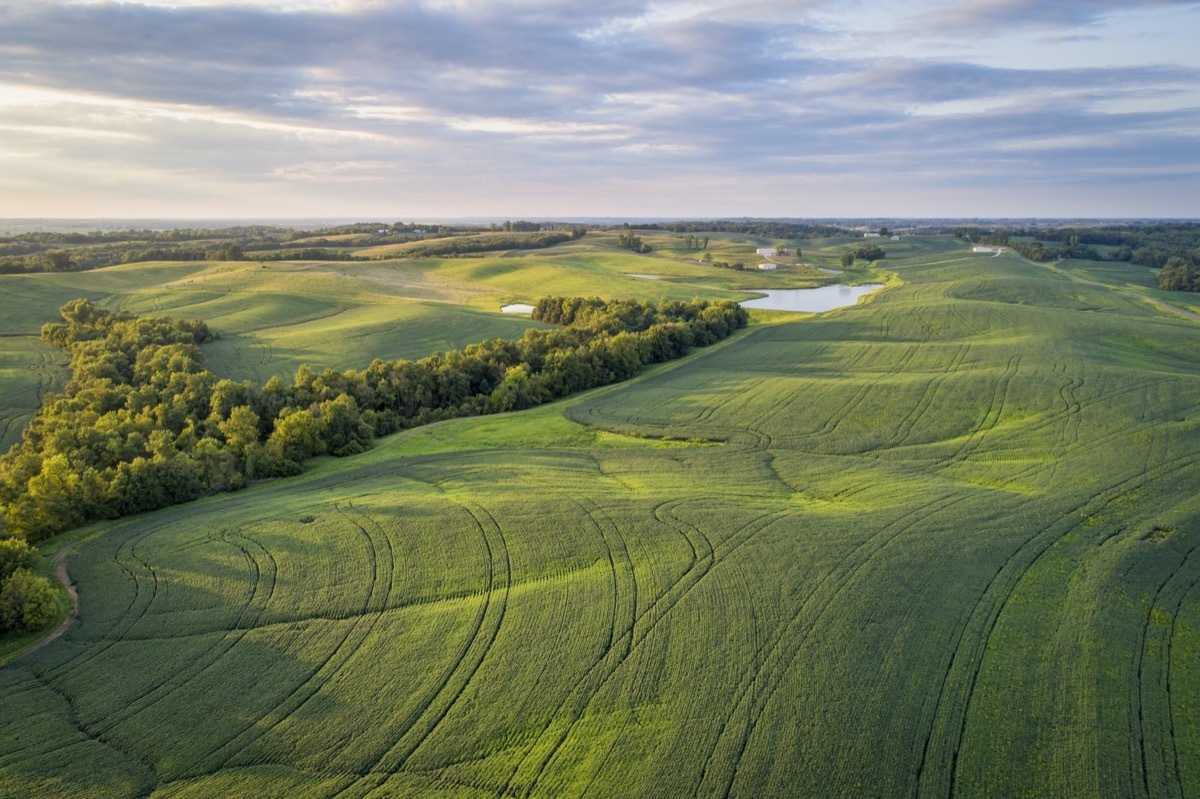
273 317
942 544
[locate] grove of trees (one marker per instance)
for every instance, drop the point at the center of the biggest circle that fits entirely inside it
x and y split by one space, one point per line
142 423
628 241
869 252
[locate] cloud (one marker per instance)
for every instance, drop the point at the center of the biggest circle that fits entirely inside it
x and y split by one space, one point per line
988 16
552 95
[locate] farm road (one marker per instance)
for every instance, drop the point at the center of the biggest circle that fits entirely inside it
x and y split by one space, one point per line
60 571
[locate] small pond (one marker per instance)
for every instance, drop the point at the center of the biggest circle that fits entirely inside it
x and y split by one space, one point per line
825 298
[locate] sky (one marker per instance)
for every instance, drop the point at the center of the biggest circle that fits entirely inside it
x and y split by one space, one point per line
391 111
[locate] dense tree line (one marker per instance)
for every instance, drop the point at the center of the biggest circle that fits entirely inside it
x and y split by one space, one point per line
82 259
520 226
495 242
142 424
1153 246
774 229
1019 242
54 240
77 252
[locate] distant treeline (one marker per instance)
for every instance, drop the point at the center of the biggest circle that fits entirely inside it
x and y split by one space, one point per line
1173 247
24 255
751 227
142 424
492 243
78 252
87 258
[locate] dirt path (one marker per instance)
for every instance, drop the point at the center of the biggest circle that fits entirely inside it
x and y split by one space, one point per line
60 571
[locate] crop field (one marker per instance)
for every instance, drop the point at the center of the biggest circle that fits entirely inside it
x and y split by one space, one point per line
945 543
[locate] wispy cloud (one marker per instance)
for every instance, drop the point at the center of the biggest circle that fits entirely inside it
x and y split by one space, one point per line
983 16
385 107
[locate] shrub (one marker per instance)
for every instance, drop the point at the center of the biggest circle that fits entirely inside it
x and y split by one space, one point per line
26 601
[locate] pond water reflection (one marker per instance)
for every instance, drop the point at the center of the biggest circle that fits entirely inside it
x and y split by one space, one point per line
825 298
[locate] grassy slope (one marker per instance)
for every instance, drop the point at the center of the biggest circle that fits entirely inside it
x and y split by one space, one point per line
948 548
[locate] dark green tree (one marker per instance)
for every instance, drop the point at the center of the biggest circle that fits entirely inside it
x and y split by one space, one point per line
26 601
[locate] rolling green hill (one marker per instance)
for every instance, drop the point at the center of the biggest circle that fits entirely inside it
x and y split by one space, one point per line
942 544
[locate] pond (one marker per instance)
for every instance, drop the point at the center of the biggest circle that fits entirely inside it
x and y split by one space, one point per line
825 298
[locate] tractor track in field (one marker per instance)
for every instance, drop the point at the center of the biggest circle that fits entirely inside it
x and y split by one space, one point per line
905 426
1094 443
601 671
48 678
603 521
423 720
994 412
254 607
364 621
1069 416
1167 748
984 615
123 621
746 390
845 411
1072 408
711 408
790 636
74 719
1170 667
610 534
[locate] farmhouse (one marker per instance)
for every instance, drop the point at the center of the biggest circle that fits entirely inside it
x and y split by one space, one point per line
767 266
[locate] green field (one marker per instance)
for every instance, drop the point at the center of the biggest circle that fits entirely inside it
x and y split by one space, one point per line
942 544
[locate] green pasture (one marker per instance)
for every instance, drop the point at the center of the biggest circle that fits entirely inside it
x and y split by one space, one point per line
945 543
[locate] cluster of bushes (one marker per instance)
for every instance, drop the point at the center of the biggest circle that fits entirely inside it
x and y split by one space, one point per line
142 424
628 241
26 600
869 252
